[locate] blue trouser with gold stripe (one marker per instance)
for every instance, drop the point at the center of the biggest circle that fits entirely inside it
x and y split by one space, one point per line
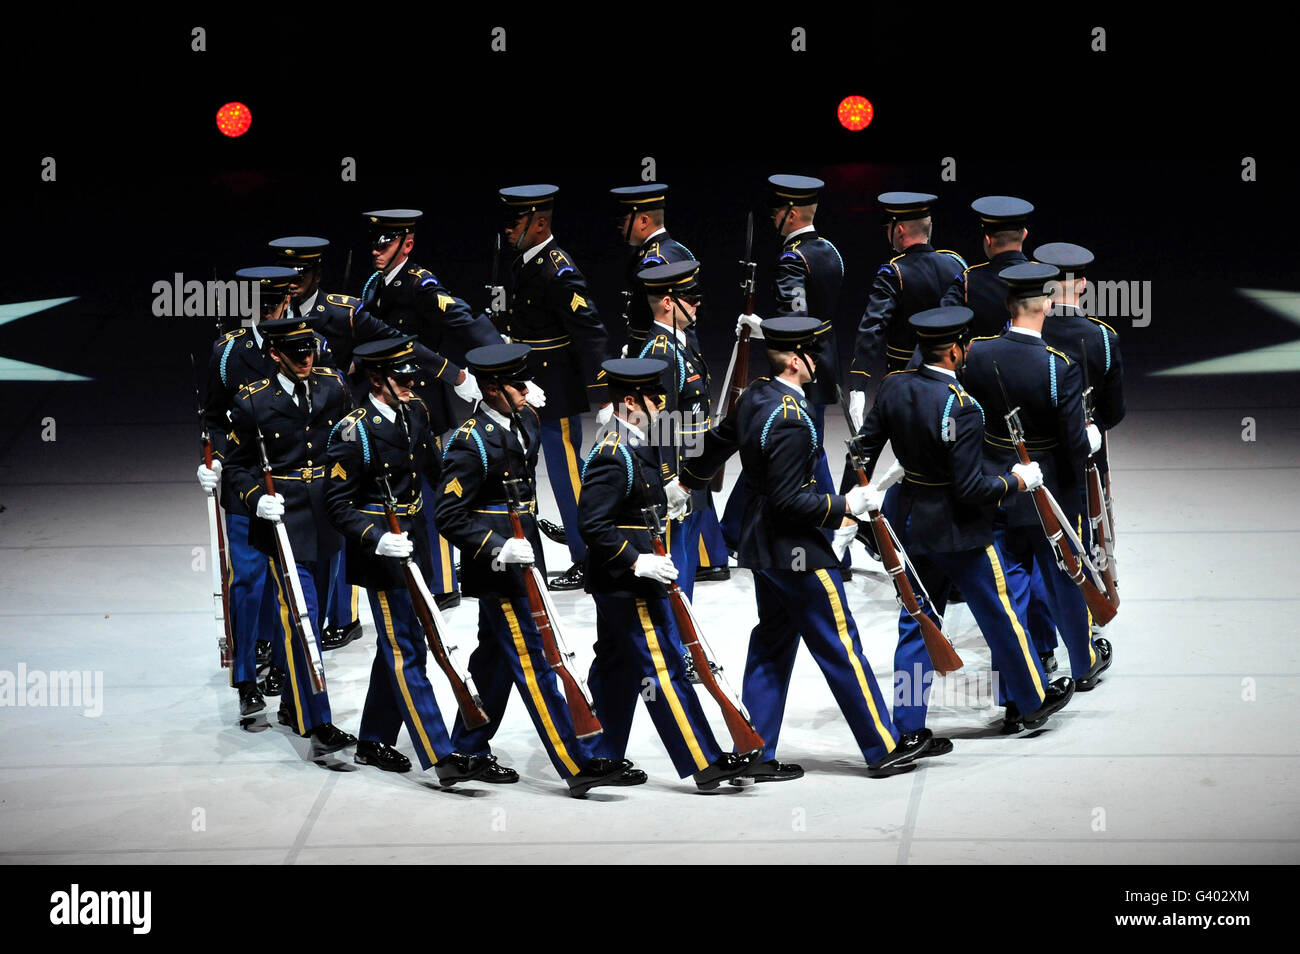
1041 627
684 548
1024 546
400 690
811 603
287 653
638 653
561 440
713 548
341 608
998 604
441 574
510 652
252 615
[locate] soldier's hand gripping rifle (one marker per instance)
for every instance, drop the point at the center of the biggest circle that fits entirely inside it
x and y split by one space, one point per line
1098 517
894 558
218 557
1069 551
291 586
733 385
435 628
743 734
558 657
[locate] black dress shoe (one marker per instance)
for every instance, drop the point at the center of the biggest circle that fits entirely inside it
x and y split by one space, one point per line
571 579
727 767
1048 660
553 531
250 700
498 774
1011 719
336 637
263 652
604 772
939 745
1088 680
446 601
381 755
909 747
327 738
461 768
770 771
286 715
273 683
711 574
1057 695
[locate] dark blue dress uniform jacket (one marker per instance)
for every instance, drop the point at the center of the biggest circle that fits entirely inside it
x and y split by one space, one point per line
945 502
296 444
911 282
1065 329
365 448
236 360
470 510
1044 384
773 429
345 325
551 311
661 249
980 290
809 274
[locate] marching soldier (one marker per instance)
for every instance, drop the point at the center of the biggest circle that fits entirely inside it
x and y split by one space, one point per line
978 287
383 447
797 579
638 651
1045 384
291 414
914 280
641 224
673 293
239 358
500 442
551 311
943 509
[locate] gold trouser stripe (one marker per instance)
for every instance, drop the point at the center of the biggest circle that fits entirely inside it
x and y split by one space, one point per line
399 669
570 457
666 686
668 536
842 628
288 644
1000 579
1092 652
356 593
704 553
444 552
534 690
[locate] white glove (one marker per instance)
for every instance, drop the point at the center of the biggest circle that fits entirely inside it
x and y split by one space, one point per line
890 477
863 498
651 566
505 339
623 353
604 414
1030 473
753 323
514 550
536 397
468 390
678 498
1094 439
857 408
270 507
843 537
394 545
210 480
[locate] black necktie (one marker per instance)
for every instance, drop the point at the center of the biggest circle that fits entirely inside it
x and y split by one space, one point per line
304 399
519 436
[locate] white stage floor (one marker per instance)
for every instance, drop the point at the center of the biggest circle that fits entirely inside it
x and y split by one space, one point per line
1186 753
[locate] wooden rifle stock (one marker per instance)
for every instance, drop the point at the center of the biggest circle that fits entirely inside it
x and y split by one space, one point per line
221 561
743 734
585 723
1098 517
939 648
471 711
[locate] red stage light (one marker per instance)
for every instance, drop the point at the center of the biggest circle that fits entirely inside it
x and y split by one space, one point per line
855 112
233 119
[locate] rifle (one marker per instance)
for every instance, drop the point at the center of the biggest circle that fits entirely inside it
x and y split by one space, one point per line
431 621
1057 530
585 723
347 272
1098 518
733 385
896 562
291 586
734 714
493 311
217 543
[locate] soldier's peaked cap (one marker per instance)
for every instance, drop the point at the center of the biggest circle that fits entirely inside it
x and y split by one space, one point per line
503 362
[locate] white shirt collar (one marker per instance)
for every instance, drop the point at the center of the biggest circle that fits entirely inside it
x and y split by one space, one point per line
636 431
792 387
390 415
497 416
948 371
288 385
304 309
659 231
536 248
390 277
806 228
1026 331
681 335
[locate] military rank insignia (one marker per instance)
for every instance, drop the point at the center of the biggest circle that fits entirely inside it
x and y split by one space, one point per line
454 487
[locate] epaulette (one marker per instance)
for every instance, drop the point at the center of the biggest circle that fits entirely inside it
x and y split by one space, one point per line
232 335
252 387
560 263
345 301
1104 325
893 267
416 399
970 268
424 277
1060 354
352 428
612 443
652 253
947 251
961 395
469 432
792 253
329 373
900 371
